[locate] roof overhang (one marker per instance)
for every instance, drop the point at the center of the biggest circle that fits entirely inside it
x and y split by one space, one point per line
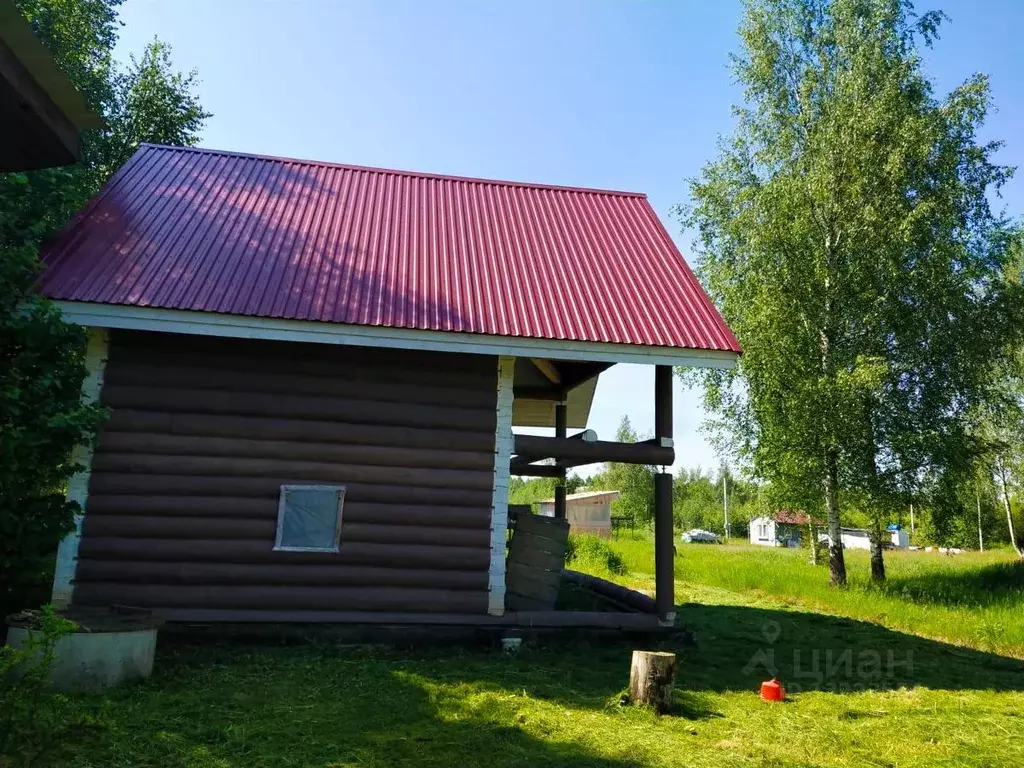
533 412
98 315
41 111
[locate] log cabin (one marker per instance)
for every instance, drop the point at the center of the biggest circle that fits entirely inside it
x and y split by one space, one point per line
313 372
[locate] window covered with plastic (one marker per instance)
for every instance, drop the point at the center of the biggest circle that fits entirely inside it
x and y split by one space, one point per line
309 518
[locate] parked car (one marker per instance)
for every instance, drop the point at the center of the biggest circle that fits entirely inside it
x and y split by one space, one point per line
697 536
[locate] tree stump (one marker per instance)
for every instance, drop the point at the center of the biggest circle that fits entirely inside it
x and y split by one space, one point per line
652 677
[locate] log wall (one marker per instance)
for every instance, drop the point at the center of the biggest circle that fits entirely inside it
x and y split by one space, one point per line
183 496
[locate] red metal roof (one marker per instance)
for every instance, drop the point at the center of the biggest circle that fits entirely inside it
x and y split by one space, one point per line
196 229
795 517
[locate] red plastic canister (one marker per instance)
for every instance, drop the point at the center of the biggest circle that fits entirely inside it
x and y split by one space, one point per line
772 690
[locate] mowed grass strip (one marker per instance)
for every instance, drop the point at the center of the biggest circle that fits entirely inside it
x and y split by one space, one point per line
559 706
973 599
864 691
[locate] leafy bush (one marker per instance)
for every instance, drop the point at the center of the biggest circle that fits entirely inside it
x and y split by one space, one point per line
42 419
32 720
591 553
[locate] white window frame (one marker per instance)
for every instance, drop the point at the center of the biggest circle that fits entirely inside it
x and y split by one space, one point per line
281 507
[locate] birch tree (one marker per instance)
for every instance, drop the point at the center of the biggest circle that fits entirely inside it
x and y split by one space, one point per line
845 231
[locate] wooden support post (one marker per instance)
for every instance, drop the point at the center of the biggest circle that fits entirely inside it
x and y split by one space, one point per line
664 576
561 428
664 546
560 494
663 405
652 676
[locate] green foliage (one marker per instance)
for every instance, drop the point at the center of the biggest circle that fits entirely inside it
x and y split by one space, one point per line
147 101
41 357
42 418
999 433
154 104
593 554
635 482
536 489
698 501
32 720
845 233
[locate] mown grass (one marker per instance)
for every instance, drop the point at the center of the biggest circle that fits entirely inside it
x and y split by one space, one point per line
228 707
902 700
975 600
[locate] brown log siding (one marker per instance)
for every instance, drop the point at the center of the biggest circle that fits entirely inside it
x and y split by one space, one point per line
183 495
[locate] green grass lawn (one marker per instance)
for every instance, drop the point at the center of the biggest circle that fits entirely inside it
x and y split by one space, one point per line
973 599
938 703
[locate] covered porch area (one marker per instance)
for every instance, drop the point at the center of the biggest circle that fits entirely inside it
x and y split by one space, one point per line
557 394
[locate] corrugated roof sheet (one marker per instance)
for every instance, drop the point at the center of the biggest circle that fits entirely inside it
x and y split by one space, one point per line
584 495
794 517
196 229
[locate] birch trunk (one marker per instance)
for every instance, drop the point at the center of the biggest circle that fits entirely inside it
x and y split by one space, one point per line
1001 471
877 563
836 562
981 538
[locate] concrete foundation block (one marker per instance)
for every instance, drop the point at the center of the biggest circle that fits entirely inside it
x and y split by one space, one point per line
96 661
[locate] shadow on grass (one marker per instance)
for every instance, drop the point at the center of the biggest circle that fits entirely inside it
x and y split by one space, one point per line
286 706
991 584
739 646
237 705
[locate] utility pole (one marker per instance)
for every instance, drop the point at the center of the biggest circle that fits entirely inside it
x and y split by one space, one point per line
725 503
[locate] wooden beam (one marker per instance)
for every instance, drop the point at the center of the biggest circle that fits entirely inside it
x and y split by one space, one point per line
539 393
525 469
632 599
567 449
548 369
664 574
277 622
572 375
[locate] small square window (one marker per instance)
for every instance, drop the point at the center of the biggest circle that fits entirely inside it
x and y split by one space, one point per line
309 518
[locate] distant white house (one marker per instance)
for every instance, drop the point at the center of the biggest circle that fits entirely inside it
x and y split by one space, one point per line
587 512
783 529
860 538
763 532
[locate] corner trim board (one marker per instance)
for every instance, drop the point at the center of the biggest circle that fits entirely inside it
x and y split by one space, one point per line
245 327
499 497
78 485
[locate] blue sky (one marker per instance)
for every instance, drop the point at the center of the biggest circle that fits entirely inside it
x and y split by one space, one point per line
626 95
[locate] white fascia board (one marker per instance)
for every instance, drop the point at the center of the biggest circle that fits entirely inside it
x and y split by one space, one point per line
97 315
